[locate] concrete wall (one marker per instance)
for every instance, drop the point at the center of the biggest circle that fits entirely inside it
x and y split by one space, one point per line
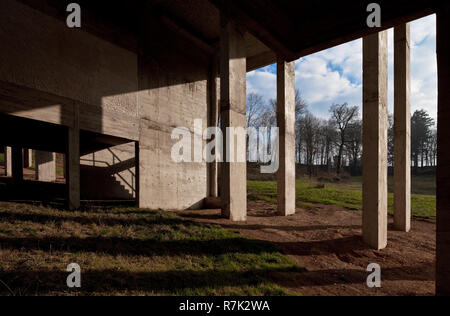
41 52
107 85
173 84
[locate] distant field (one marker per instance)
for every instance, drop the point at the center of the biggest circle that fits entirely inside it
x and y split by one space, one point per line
348 195
2 158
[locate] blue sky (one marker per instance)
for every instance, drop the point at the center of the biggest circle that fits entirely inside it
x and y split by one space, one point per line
335 75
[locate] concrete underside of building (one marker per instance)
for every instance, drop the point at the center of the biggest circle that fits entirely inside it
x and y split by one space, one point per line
108 95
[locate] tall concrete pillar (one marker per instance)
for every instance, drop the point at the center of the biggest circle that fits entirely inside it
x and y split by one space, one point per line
286 124
45 164
375 125
17 164
233 74
8 161
27 158
443 168
73 163
402 128
214 122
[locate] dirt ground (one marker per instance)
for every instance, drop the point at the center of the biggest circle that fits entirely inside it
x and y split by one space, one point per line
327 242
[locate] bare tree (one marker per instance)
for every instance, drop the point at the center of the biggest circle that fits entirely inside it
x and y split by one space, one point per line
342 115
354 144
255 108
311 133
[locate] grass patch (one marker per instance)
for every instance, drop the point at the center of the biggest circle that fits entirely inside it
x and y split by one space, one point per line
348 195
127 251
2 158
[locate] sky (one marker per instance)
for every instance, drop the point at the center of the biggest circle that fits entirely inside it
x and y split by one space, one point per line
335 75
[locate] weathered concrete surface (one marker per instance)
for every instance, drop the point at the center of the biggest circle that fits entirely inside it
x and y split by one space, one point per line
45 166
8 161
44 54
73 162
375 123
214 87
173 92
402 128
286 124
443 169
233 108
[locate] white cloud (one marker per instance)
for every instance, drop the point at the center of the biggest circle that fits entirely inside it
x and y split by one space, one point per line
335 75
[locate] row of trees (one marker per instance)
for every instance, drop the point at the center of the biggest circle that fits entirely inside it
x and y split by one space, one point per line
336 142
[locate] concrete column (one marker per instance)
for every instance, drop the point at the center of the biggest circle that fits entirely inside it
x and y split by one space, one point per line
233 114
27 158
137 173
45 164
17 164
73 163
8 161
375 125
402 128
213 122
443 167
286 124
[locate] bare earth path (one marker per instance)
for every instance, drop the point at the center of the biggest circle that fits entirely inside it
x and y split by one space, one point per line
327 242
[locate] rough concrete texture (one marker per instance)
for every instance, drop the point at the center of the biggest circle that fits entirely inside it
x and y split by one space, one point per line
233 109
45 166
173 92
375 123
73 162
109 174
443 169
402 128
286 124
8 161
44 54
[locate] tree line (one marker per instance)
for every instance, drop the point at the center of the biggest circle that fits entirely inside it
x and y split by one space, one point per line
335 143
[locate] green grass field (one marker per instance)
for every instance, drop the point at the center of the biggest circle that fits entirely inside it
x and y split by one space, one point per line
349 194
131 252
2 158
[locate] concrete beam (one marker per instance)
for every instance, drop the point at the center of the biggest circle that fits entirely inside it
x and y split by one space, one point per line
443 168
286 124
375 123
17 164
233 108
8 161
45 165
402 128
73 162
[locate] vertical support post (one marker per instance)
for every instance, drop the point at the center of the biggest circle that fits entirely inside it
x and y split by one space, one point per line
233 72
73 162
443 166
137 173
402 128
27 158
375 123
214 122
286 124
8 161
45 166
17 164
